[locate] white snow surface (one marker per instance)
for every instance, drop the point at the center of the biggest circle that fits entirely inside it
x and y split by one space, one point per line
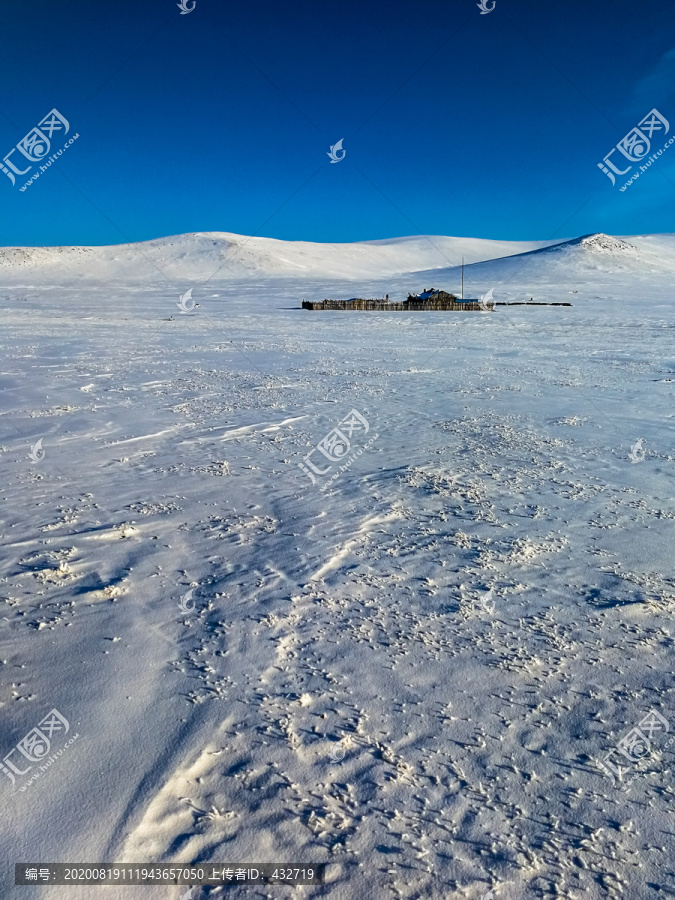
410 675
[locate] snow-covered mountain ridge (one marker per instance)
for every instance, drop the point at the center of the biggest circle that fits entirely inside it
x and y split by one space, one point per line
224 256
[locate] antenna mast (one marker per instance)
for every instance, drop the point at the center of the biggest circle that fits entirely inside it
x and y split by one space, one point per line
462 278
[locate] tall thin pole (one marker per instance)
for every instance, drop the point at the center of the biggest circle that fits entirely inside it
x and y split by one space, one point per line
462 278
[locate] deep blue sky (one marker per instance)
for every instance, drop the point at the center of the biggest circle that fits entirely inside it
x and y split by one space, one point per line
453 122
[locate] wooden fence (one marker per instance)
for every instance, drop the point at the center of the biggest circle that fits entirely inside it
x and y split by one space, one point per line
385 306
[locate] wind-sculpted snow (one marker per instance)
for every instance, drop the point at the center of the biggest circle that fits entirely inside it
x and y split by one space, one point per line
412 675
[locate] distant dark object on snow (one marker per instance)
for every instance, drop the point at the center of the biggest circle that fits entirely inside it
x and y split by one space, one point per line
427 300
430 299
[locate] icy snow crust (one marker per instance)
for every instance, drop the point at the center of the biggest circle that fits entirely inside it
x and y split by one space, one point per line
410 675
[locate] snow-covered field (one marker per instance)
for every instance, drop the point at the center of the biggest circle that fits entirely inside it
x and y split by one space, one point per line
409 671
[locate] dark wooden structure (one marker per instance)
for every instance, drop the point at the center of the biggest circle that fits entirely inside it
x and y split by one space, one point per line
435 300
355 304
432 300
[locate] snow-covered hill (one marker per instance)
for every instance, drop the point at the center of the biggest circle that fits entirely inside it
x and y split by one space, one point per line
591 258
225 256
221 257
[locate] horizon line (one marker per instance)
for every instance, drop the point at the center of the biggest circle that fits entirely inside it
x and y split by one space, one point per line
334 243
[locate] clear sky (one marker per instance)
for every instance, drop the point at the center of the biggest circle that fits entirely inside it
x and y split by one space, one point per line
453 122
